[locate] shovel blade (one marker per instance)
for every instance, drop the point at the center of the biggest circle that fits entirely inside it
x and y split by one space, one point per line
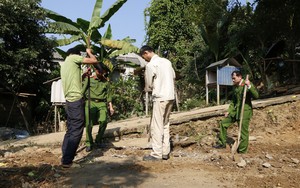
234 148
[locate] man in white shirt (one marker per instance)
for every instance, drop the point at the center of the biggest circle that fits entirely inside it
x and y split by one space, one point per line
159 78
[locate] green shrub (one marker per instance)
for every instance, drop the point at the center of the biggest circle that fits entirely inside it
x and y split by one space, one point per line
195 102
127 98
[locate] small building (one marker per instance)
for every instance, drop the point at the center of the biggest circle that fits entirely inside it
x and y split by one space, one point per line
218 75
129 63
57 58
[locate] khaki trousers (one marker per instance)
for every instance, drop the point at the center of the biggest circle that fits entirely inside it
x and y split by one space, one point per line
160 132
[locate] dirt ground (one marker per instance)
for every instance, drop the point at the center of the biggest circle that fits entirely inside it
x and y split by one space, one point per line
272 159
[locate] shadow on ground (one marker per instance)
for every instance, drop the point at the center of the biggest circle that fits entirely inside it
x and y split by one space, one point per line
121 173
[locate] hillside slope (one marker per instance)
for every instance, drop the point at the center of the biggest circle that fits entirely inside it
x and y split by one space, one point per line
272 160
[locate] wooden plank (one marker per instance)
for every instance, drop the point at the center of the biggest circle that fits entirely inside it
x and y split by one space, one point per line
209 112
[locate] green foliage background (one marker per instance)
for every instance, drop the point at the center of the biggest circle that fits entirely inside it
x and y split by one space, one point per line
196 33
128 98
25 52
191 33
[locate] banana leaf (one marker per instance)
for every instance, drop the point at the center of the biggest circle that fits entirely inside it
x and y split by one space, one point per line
63 28
108 33
97 21
59 18
63 42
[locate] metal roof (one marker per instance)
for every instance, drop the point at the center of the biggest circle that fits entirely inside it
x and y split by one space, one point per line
224 62
57 56
132 57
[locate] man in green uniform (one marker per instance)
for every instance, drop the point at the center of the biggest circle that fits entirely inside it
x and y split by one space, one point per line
100 97
234 111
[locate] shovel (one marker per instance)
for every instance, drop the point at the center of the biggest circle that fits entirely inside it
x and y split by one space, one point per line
237 142
89 104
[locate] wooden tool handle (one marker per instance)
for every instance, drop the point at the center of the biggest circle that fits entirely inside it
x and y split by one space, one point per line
242 110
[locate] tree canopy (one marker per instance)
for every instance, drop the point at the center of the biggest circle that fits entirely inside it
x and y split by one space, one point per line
25 57
199 32
25 51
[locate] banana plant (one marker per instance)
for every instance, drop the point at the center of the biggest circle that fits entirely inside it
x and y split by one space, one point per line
115 48
212 37
88 35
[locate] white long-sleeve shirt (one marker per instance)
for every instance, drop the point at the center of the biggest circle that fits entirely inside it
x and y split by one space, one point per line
159 77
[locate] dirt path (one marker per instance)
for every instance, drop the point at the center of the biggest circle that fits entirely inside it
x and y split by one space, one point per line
272 160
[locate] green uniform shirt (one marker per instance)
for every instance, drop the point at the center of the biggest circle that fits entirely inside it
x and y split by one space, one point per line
236 103
70 73
98 90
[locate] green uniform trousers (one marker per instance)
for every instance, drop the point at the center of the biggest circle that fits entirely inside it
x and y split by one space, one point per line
98 114
228 121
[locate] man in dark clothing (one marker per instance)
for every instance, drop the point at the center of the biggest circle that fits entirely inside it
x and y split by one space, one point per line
72 86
